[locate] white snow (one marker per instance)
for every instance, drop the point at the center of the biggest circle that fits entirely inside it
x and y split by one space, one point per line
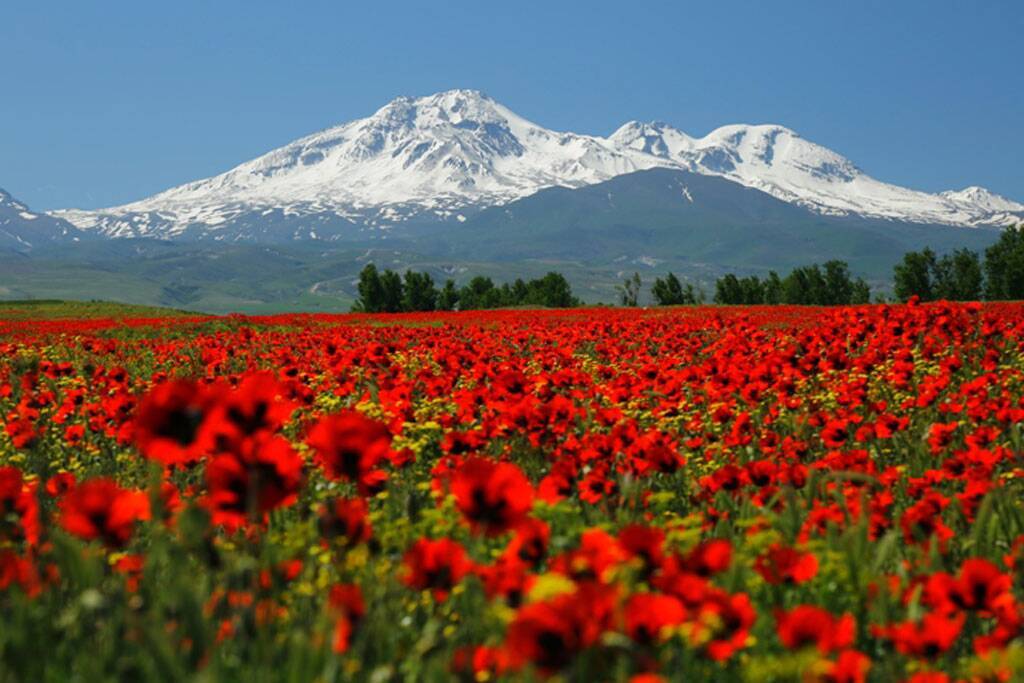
460 148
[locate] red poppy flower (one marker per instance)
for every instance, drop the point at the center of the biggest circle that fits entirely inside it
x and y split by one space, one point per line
929 638
597 554
347 601
709 558
645 543
260 476
979 585
494 497
256 407
100 509
19 510
810 625
436 565
59 484
550 634
850 666
782 564
479 663
723 624
168 425
649 615
347 518
351 446
530 542
507 578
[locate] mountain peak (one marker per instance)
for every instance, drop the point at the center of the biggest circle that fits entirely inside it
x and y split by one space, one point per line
979 196
21 229
437 156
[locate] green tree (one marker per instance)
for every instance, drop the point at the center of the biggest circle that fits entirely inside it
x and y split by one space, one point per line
958 276
838 287
520 292
552 290
1004 266
391 291
479 293
913 275
371 293
448 297
629 290
773 292
860 292
728 290
419 293
671 292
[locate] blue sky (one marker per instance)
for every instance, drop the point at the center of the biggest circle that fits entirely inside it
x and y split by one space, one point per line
103 103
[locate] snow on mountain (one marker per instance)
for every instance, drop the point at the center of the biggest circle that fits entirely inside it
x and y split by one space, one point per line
440 156
436 154
22 229
776 160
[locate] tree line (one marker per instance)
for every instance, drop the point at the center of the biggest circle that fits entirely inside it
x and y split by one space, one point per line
962 275
830 284
389 292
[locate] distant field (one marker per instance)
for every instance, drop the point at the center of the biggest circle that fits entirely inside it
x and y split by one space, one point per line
49 309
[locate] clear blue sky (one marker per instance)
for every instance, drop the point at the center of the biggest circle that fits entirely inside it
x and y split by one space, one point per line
106 102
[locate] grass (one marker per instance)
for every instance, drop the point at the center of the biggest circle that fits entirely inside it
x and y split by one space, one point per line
50 309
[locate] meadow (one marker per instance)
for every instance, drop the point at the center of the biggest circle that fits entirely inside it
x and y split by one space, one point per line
677 494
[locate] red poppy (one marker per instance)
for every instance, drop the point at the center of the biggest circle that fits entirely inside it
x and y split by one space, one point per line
351 446
263 474
494 497
550 634
479 663
59 484
19 510
850 666
810 625
723 624
507 578
649 615
645 543
709 557
168 423
597 554
436 565
782 564
929 638
256 407
346 518
347 601
530 542
979 585
100 509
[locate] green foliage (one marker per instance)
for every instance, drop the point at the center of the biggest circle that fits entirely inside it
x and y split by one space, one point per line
629 290
1004 266
956 276
828 285
671 292
387 293
913 276
419 293
448 297
391 291
371 293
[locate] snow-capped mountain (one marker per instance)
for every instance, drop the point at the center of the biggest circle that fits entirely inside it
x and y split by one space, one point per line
22 229
448 155
776 160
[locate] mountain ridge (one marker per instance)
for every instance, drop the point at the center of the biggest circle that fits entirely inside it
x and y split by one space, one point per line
444 157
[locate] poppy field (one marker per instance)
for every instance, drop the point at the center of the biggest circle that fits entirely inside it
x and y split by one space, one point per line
681 494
